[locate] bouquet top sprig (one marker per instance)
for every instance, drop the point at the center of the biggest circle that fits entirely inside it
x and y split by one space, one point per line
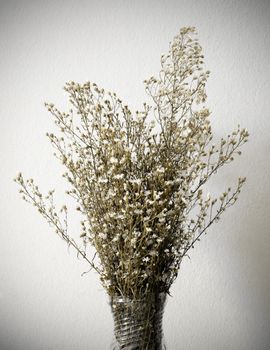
138 178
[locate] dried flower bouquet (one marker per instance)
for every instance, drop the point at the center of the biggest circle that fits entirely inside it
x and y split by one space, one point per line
138 178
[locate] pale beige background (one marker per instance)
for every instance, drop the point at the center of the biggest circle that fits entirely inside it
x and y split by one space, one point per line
221 298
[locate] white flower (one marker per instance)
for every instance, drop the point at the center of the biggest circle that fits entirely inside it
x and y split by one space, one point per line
102 180
135 181
116 238
184 200
138 211
157 194
136 233
102 235
118 176
146 259
120 217
133 241
160 170
113 160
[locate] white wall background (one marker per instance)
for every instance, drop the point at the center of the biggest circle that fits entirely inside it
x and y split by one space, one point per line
221 298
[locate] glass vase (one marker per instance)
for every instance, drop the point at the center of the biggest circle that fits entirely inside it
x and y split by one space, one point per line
138 322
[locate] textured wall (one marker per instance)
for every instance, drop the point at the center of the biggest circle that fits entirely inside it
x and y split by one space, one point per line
221 298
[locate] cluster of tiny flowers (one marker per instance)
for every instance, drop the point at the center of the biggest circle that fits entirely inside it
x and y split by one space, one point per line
138 178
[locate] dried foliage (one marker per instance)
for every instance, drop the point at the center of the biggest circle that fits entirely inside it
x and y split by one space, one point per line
138 178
